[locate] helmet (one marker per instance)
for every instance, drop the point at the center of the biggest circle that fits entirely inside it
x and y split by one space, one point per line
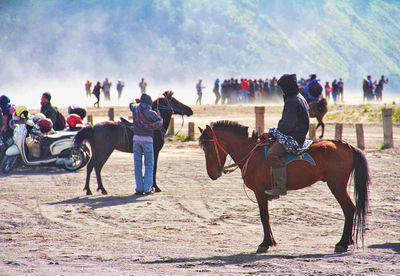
38 117
74 120
45 125
21 110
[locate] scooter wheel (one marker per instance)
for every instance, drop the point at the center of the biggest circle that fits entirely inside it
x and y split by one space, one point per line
79 159
8 163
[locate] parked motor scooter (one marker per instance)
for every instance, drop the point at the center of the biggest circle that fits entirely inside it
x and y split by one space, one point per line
36 150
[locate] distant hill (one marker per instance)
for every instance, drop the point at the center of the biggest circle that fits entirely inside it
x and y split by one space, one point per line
184 40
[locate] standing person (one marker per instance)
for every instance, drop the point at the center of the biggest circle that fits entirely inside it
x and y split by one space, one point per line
245 90
328 91
106 89
340 90
120 87
379 88
313 89
335 90
142 85
368 87
144 122
199 89
291 132
88 88
96 93
223 92
216 91
6 110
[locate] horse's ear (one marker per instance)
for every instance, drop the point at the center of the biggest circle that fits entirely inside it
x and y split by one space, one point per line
208 128
201 130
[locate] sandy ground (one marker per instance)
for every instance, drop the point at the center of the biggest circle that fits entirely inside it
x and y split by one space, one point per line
195 226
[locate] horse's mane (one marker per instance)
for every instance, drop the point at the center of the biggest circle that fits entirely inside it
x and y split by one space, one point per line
232 126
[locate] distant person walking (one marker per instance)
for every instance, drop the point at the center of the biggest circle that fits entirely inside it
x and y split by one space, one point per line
120 87
340 90
142 85
199 89
106 89
216 91
88 88
379 88
96 93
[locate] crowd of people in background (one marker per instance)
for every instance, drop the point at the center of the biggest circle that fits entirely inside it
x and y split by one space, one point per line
105 88
245 90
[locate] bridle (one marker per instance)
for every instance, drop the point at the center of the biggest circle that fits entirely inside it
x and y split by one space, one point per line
231 168
168 107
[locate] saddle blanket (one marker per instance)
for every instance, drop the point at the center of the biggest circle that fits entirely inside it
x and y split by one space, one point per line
291 157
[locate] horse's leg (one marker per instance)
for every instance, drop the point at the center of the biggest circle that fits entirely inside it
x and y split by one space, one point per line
89 169
320 123
98 166
338 185
156 189
269 240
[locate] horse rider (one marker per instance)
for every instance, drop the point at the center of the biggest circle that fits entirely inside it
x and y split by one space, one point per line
291 132
313 89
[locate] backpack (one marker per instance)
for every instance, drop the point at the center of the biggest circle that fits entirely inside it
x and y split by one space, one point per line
60 125
315 89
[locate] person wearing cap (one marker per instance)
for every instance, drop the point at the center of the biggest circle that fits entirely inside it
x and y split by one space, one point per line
290 136
144 122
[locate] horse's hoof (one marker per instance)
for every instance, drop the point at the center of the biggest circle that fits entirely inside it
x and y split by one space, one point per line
339 248
88 192
262 249
104 192
157 190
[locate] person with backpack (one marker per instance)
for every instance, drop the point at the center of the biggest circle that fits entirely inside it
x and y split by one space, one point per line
51 112
313 89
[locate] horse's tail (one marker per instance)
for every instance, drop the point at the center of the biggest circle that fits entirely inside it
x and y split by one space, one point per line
322 106
361 184
84 134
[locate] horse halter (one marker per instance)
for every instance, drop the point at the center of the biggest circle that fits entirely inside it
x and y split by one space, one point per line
216 146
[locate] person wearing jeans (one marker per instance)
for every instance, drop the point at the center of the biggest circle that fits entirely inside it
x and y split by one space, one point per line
144 122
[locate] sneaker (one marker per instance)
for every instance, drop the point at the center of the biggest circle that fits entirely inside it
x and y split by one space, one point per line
148 193
139 193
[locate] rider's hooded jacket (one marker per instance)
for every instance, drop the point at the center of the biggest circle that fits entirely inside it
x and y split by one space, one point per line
295 119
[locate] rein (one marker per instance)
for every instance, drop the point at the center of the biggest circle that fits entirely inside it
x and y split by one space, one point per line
169 107
231 168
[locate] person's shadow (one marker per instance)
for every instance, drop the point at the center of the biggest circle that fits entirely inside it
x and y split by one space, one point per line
103 201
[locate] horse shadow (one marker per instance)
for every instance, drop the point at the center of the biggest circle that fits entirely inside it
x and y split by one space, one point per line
102 201
244 259
395 246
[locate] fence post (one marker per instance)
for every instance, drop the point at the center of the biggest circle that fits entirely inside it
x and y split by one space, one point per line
90 119
360 136
191 130
338 131
259 110
387 127
311 132
111 113
171 127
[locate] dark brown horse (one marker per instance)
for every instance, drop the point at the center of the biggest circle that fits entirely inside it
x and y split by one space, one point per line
334 160
318 109
106 136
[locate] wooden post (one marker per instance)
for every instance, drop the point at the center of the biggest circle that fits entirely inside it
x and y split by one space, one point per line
260 110
111 113
191 131
90 119
171 127
387 127
338 131
360 136
311 132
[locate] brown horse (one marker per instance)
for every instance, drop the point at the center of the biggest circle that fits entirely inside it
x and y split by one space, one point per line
334 163
318 109
106 136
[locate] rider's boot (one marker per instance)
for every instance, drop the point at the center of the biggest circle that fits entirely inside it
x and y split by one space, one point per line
280 177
